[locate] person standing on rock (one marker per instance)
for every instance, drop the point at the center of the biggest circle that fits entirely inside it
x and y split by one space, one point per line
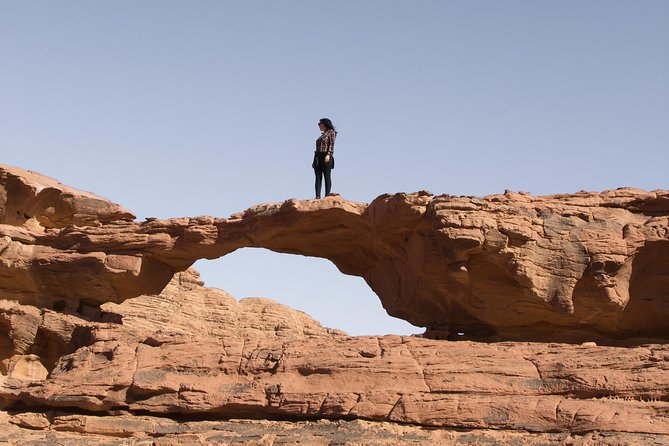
323 157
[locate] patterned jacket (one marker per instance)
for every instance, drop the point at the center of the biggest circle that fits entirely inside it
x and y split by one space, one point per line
325 142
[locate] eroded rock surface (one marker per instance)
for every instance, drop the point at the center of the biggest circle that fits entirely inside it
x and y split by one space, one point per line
36 429
200 356
26 195
106 336
587 266
62 428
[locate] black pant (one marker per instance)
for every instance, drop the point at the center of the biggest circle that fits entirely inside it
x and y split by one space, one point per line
323 169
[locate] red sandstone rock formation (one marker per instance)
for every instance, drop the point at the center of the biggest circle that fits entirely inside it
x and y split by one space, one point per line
98 335
587 266
195 352
85 430
25 195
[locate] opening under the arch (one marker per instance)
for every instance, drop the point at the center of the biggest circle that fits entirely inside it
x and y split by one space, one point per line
309 284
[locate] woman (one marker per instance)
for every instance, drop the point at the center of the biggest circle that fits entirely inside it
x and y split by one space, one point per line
323 159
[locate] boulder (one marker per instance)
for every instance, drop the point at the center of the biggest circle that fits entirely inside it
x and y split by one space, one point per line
26 195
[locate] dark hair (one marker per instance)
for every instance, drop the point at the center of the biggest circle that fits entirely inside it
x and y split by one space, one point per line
327 123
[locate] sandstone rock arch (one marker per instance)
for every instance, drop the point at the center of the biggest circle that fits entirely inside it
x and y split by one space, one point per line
509 266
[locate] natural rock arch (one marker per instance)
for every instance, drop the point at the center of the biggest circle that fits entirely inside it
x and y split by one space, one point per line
507 266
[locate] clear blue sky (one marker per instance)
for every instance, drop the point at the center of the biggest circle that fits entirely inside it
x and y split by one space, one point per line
184 108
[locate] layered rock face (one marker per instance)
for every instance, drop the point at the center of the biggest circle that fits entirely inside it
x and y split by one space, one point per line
106 333
194 353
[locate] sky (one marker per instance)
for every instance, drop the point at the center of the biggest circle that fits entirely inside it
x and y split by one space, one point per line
187 108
